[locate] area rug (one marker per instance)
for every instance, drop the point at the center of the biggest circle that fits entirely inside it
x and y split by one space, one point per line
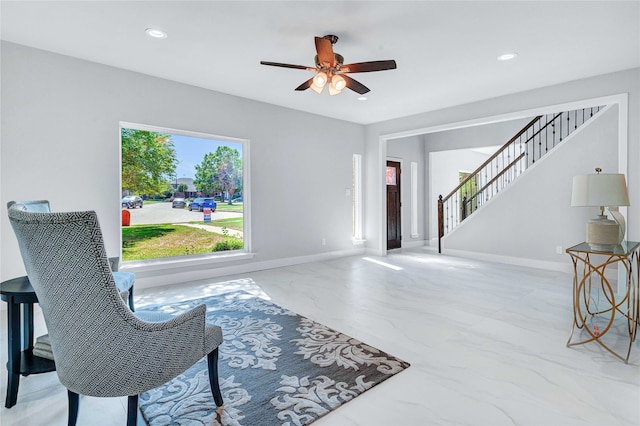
275 368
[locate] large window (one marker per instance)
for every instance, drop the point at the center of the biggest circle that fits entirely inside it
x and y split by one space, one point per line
183 193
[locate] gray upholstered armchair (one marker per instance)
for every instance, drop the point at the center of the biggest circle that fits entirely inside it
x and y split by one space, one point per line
124 280
101 347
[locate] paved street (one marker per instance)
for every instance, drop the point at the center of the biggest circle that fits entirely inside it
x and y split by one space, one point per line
163 213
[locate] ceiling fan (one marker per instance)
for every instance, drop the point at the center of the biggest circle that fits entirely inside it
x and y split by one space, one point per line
330 69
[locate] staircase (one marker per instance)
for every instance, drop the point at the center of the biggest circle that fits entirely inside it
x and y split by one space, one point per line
522 151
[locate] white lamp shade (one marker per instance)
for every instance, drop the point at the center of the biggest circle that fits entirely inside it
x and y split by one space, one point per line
338 82
333 91
317 89
599 190
320 79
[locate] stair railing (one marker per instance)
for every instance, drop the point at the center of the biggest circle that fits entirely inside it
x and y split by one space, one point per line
526 147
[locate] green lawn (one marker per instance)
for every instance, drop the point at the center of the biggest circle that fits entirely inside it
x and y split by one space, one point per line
222 206
141 242
236 223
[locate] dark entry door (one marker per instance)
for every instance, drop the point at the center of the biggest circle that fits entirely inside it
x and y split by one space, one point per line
394 237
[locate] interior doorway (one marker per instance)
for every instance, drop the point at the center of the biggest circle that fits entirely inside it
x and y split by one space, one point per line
394 229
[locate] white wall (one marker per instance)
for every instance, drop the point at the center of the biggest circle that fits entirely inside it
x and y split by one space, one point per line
519 105
534 214
60 141
445 168
491 134
439 174
451 151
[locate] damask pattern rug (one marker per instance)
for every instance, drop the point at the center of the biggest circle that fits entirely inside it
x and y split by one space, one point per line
275 368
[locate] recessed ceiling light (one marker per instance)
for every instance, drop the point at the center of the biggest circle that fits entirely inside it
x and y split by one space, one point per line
362 98
507 56
155 33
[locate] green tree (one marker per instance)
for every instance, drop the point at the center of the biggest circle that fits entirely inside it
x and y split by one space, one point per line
182 187
148 161
220 171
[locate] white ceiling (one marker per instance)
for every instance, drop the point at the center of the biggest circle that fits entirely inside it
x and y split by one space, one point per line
445 50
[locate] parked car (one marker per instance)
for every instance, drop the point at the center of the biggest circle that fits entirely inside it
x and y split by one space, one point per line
202 203
131 202
179 203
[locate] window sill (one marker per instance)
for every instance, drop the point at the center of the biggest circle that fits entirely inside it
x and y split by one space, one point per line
357 242
195 261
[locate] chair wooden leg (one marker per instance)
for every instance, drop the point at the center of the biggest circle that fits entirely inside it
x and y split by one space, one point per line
132 410
74 406
212 361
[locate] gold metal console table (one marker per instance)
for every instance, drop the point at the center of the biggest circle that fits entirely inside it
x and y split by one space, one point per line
595 301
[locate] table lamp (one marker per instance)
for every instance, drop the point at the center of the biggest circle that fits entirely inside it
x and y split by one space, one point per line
602 190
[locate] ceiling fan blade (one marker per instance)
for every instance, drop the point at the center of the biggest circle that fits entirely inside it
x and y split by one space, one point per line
355 85
305 85
325 52
369 66
277 64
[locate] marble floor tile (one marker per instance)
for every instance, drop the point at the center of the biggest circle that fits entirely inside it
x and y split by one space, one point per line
486 343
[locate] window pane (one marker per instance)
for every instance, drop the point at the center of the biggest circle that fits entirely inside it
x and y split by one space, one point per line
186 194
391 175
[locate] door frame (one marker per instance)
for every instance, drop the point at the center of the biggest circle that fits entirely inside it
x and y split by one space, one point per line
400 188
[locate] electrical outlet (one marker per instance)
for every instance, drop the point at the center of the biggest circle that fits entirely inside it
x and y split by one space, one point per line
324 241
558 249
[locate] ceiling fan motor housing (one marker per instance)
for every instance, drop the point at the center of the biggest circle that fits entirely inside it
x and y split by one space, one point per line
332 38
339 60
338 57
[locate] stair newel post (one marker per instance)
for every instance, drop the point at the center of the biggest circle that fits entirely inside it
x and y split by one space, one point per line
440 223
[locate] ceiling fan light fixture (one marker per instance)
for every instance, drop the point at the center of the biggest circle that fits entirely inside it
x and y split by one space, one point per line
333 91
320 79
316 88
338 82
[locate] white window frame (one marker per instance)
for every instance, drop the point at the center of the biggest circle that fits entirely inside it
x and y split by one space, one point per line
205 258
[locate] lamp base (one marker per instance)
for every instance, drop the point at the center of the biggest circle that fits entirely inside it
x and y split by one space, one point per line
603 234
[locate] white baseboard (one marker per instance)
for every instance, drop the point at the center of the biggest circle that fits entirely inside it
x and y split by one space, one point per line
611 273
169 275
565 266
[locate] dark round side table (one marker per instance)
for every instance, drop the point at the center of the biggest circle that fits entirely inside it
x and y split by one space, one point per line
20 297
